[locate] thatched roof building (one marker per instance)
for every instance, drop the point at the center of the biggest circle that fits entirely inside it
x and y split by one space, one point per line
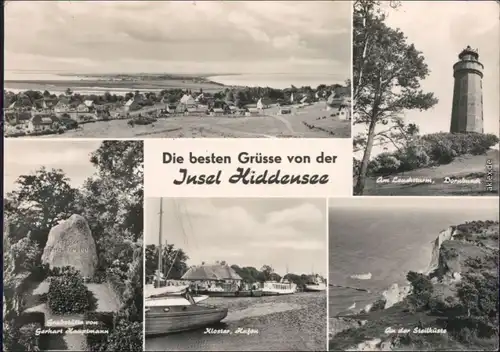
215 272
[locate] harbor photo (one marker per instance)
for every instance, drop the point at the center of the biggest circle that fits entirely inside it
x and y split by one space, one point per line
72 246
413 274
425 102
228 274
214 69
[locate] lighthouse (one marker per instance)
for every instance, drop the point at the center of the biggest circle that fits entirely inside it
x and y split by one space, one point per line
467 109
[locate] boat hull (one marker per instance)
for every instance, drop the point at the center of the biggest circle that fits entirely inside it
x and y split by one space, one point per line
276 293
178 319
315 288
252 293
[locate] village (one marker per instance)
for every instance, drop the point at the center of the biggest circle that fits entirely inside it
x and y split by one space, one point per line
33 113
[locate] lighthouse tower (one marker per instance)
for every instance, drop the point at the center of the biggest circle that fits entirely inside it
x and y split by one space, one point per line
467 109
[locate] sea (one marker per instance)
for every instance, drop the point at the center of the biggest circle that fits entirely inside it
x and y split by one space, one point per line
283 323
279 80
379 247
44 79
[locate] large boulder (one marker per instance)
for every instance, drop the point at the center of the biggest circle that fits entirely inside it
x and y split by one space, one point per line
70 243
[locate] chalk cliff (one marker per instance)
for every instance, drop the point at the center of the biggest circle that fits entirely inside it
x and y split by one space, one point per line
449 253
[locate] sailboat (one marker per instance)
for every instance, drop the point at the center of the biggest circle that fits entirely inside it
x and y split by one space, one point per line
315 284
275 288
172 309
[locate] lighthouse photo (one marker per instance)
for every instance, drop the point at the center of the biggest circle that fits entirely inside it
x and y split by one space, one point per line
467 112
425 98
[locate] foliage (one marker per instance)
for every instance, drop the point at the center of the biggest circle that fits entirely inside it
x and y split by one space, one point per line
27 254
476 227
40 201
431 150
125 336
173 261
112 201
387 71
422 290
68 293
28 340
385 163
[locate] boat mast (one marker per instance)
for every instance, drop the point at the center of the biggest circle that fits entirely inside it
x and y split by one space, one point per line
160 253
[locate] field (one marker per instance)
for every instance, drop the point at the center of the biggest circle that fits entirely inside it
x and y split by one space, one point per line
267 125
468 167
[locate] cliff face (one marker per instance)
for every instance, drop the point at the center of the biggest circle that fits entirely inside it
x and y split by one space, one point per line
445 235
451 251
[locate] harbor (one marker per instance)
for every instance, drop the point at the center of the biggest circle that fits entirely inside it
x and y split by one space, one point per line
191 306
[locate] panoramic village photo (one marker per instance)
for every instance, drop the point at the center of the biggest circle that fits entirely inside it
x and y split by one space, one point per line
427 125
226 274
398 283
216 69
72 246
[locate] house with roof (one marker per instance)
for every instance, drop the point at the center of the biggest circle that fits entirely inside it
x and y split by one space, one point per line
217 112
200 98
171 108
89 103
263 103
187 100
82 108
41 122
132 104
212 275
63 106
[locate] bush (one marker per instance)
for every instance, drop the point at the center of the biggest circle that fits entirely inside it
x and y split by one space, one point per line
28 340
385 163
68 294
99 342
413 157
432 149
126 336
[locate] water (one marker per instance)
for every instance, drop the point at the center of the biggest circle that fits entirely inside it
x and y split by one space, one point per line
33 75
386 242
279 81
285 323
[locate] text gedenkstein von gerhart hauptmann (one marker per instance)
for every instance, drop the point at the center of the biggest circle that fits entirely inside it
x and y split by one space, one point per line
245 174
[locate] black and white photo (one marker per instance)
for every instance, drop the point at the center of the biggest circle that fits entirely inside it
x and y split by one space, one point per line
413 273
425 98
220 69
235 274
72 246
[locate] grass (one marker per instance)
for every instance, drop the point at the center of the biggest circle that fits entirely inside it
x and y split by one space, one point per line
467 166
268 125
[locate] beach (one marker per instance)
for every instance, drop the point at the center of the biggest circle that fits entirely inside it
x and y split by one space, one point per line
275 323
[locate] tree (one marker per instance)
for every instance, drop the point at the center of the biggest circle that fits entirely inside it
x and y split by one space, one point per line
69 92
387 72
40 201
229 96
174 261
112 200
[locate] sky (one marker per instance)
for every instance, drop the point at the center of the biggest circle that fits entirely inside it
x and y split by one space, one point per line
279 232
179 36
22 157
441 31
